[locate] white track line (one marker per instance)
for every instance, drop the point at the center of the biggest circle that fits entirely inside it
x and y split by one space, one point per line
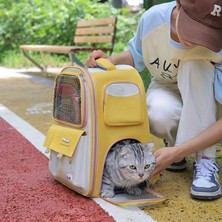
120 214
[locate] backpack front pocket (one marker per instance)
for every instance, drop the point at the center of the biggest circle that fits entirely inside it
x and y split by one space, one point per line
70 157
122 104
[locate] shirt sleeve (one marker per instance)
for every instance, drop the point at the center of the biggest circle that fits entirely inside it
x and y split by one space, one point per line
135 47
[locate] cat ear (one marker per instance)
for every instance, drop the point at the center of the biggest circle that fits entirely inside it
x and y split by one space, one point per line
148 146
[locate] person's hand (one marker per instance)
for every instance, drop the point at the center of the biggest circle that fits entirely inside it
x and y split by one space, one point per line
91 60
164 157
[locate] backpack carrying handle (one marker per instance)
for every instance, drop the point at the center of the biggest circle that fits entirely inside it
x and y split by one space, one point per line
105 64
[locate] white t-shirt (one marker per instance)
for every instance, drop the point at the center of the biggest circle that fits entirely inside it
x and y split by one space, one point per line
153 47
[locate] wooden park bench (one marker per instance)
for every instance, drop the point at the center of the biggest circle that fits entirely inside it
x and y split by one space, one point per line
89 35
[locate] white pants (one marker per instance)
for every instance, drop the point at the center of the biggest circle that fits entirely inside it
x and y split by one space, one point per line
178 112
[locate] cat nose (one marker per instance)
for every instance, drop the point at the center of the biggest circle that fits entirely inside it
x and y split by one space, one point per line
141 175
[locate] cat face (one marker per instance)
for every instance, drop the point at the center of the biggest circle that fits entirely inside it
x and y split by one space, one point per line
136 162
128 164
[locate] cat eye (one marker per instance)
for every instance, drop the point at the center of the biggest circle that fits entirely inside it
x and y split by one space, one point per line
132 167
147 166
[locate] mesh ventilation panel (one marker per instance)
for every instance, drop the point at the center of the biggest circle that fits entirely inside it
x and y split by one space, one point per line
67 99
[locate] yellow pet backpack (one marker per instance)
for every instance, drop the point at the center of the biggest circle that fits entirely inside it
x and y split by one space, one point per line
93 109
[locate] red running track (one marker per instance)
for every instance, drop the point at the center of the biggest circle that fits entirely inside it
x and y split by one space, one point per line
28 192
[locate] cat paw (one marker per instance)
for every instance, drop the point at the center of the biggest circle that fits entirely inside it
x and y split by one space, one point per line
136 191
107 193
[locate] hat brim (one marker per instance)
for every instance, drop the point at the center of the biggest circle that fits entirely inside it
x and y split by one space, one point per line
192 31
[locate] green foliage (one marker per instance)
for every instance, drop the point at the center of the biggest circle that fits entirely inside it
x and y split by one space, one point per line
53 22
40 22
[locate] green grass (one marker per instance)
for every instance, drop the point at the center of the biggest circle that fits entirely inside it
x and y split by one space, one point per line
16 59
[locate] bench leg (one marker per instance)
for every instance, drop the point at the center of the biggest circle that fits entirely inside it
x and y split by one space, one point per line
33 61
74 59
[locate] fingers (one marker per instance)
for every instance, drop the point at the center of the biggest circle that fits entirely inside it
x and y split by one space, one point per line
91 60
163 159
155 171
157 153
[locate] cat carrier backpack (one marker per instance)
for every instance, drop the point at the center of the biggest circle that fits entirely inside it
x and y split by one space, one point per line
93 109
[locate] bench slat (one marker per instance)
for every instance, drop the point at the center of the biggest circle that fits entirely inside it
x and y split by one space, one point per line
51 48
96 22
93 31
93 39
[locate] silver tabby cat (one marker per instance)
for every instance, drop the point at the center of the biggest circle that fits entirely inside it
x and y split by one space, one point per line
127 166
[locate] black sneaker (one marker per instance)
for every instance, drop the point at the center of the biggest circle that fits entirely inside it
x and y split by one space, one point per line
166 143
176 166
